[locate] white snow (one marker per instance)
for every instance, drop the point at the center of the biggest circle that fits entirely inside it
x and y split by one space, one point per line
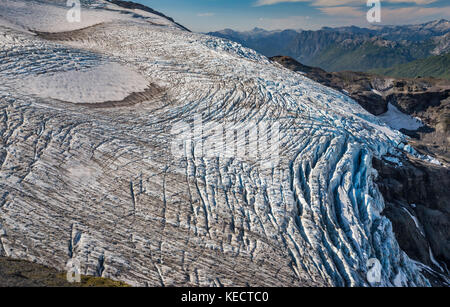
394 160
318 204
400 280
107 82
415 221
432 160
11 25
409 149
377 92
45 17
435 262
399 120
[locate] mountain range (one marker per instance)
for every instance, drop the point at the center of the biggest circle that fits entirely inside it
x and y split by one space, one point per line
350 48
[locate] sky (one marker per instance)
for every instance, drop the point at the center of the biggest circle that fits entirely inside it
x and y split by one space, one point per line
242 15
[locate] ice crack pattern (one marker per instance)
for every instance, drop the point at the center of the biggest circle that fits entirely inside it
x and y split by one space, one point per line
100 185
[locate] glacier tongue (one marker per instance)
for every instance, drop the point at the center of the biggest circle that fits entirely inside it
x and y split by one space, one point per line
100 185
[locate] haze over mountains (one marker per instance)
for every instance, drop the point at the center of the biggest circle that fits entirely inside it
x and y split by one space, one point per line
350 48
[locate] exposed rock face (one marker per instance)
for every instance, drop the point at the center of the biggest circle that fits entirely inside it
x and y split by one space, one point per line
433 108
425 187
443 44
417 203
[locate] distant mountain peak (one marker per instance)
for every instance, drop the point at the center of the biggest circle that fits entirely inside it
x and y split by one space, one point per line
256 29
440 21
351 47
439 25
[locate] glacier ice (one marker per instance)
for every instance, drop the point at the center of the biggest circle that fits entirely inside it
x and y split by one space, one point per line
101 185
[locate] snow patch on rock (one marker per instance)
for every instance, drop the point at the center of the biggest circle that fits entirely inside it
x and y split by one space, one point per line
399 120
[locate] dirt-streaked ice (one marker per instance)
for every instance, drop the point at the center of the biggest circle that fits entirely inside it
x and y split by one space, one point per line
109 82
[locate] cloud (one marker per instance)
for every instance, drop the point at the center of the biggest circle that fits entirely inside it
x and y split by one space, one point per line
341 2
391 13
337 2
206 14
394 16
356 10
272 2
411 14
419 2
342 11
291 22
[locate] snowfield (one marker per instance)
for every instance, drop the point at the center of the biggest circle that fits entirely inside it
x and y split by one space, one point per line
98 183
399 120
51 15
94 85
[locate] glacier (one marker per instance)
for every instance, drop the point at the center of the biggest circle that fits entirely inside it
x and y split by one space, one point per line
90 180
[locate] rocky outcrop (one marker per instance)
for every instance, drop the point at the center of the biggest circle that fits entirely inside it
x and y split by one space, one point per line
422 190
417 203
433 108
